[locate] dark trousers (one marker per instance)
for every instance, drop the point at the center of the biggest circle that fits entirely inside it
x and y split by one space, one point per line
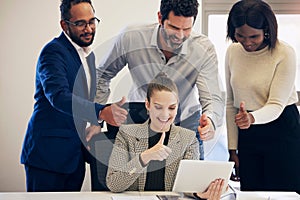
102 144
41 180
269 154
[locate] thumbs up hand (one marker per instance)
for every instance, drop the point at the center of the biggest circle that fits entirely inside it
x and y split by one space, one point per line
206 128
157 152
243 119
114 114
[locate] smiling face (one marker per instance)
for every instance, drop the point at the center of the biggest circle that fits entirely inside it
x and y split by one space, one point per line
83 37
175 30
252 39
162 110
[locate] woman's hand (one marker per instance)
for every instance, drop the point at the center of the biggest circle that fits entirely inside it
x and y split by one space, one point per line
157 152
214 190
234 157
243 119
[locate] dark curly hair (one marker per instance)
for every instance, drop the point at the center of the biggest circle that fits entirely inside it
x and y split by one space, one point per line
256 14
186 8
66 5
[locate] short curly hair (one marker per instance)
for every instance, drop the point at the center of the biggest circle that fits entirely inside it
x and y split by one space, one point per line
186 8
66 5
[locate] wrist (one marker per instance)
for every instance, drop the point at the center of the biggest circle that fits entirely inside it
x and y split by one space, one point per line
197 197
100 122
252 120
143 160
232 152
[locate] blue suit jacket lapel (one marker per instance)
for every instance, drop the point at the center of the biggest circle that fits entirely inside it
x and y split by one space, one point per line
92 68
81 81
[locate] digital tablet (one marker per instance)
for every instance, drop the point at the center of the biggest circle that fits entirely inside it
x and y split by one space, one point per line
196 175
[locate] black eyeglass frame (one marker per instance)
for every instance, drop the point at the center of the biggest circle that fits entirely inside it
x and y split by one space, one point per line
83 24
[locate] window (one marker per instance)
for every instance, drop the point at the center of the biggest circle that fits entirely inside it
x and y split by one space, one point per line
214 19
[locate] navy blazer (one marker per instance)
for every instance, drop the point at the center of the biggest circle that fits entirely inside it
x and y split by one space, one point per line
55 132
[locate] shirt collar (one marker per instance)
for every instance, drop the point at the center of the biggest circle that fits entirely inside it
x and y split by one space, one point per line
154 39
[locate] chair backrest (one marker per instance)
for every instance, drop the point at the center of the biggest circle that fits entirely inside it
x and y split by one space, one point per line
102 144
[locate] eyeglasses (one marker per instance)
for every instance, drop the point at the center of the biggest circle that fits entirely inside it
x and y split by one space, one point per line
81 24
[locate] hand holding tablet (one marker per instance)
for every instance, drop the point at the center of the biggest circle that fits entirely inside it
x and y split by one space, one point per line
196 175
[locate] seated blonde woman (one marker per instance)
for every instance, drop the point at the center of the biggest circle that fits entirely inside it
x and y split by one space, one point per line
145 157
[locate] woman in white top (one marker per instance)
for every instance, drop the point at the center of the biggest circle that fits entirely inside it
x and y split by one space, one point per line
263 121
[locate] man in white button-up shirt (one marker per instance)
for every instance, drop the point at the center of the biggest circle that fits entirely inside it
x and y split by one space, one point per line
172 47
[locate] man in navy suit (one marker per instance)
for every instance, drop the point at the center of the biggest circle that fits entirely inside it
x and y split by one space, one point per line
54 149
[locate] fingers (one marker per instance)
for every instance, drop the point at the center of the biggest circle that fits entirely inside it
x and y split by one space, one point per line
242 112
206 129
114 114
122 101
235 176
168 150
162 138
243 119
119 113
157 152
163 126
206 136
203 120
118 107
163 151
91 131
215 189
242 106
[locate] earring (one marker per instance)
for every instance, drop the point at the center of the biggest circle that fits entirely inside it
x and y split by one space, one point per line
267 36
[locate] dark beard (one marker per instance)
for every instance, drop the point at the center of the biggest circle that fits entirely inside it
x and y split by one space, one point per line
79 42
167 38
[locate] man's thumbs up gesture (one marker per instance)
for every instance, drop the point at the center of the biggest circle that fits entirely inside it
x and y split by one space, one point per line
114 114
157 152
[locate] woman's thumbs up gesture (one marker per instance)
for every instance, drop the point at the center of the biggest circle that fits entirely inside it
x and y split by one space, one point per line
157 152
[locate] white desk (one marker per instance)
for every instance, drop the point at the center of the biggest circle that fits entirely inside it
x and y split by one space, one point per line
73 195
109 195
265 195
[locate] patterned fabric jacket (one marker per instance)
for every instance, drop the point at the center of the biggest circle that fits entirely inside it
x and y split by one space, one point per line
125 171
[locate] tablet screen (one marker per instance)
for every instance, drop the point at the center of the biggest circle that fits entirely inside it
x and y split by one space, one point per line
196 175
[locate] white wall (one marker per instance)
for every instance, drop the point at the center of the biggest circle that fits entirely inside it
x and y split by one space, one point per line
25 27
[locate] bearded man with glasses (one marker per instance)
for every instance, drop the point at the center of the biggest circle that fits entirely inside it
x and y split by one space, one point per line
54 149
